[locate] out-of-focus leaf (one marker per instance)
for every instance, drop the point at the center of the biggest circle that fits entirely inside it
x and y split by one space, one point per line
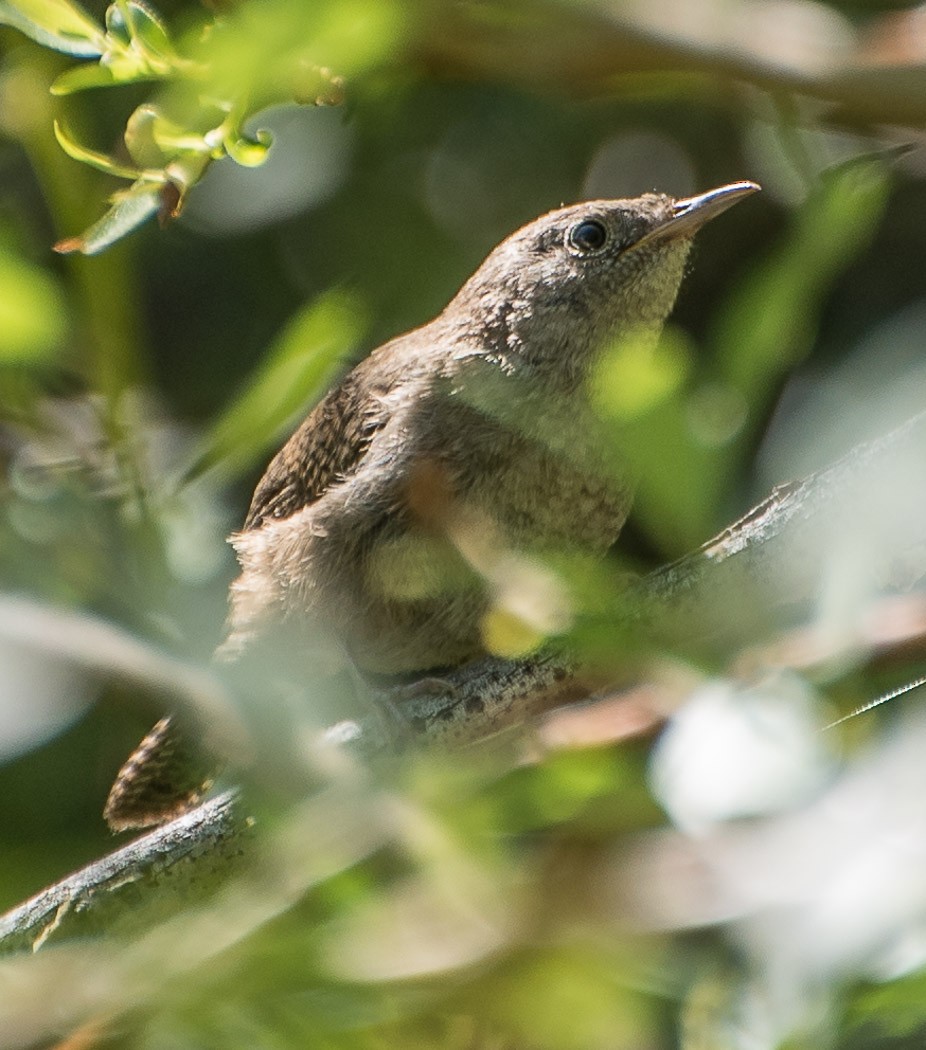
116 25
506 634
574 997
295 372
138 47
32 311
768 323
148 31
423 926
266 52
81 78
58 24
183 172
139 138
130 209
249 152
100 161
152 139
636 373
765 328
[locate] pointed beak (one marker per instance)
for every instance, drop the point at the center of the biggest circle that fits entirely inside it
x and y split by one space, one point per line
691 213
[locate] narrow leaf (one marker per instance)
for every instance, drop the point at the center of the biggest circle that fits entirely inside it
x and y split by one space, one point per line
59 24
100 161
82 77
32 311
249 153
296 371
769 319
149 32
128 212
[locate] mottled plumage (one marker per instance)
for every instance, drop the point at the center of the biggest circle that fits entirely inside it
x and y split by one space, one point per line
463 450
479 422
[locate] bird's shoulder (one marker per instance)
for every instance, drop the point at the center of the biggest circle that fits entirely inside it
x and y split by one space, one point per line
332 441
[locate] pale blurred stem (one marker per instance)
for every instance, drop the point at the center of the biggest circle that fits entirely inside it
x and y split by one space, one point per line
106 286
580 49
793 143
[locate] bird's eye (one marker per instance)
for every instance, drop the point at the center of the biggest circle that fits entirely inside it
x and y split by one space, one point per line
587 236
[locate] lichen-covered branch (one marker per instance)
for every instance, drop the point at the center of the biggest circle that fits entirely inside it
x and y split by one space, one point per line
867 507
136 885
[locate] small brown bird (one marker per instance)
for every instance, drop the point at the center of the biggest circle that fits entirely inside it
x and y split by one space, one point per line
386 522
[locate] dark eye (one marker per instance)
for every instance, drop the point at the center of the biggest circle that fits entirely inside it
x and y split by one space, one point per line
587 236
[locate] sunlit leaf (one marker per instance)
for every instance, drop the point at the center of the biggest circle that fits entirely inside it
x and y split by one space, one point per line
506 634
152 139
58 24
295 372
279 51
681 455
768 323
249 153
637 373
148 31
100 161
81 78
183 172
129 211
32 311
422 926
116 25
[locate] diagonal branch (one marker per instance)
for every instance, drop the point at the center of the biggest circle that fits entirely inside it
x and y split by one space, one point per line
867 507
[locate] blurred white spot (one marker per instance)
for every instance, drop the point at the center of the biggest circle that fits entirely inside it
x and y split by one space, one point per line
486 169
715 413
39 696
800 36
873 389
306 164
866 549
637 162
733 751
420 927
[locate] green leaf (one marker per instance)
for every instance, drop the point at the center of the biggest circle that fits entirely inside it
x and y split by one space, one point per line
248 152
130 209
637 373
148 32
769 321
100 161
688 450
116 25
58 24
138 44
272 52
294 374
153 140
32 311
81 78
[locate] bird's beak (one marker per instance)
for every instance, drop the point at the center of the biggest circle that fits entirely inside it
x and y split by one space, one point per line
691 213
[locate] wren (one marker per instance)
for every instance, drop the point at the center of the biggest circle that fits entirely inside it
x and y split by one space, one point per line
382 525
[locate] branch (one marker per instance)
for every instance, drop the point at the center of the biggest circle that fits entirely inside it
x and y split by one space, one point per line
867 508
146 880
584 51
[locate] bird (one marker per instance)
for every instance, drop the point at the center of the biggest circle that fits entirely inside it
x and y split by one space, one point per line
383 527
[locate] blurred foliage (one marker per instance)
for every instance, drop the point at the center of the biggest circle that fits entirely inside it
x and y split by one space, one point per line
473 900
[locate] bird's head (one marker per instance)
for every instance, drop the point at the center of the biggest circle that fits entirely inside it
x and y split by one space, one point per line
567 283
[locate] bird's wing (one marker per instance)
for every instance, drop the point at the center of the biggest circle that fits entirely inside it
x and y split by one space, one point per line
326 449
